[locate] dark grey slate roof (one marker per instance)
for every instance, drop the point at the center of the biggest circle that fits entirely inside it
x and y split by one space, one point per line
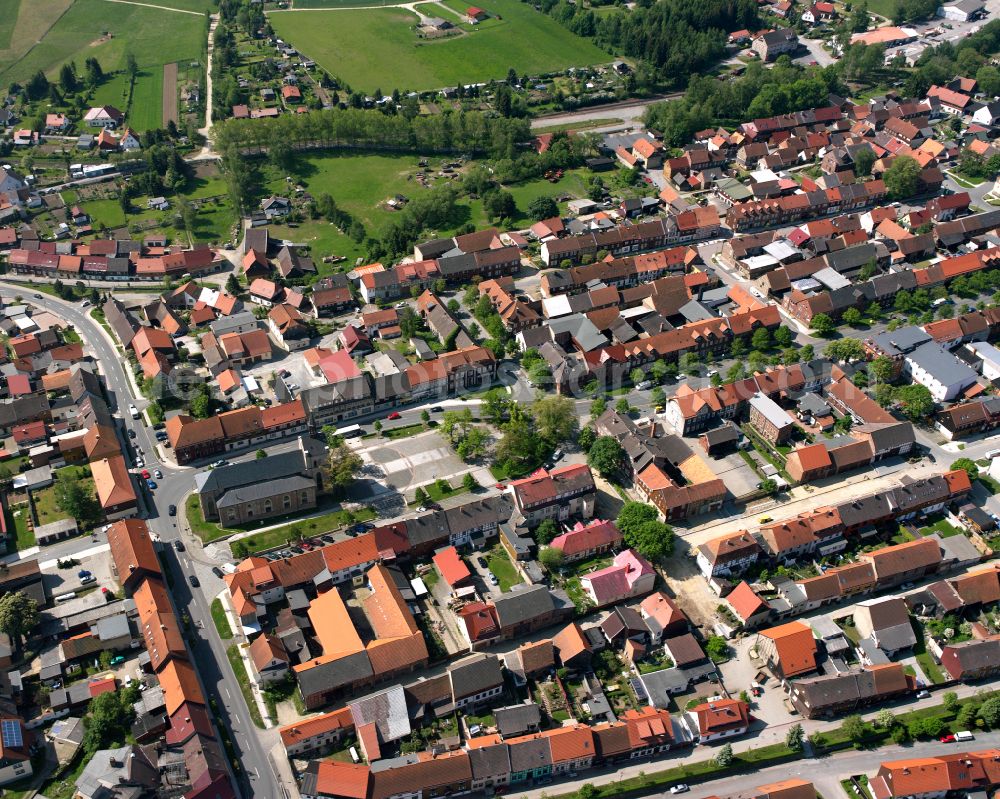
517 719
269 488
474 674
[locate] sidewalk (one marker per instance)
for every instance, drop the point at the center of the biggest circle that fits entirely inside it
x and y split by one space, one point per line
240 640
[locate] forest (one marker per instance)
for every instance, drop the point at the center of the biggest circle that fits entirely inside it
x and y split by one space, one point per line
675 38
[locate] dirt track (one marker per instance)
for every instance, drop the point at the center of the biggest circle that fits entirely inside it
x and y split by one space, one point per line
169 94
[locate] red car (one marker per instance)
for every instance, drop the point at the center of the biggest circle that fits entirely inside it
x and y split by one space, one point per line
145 474
947 739
393 415
500 486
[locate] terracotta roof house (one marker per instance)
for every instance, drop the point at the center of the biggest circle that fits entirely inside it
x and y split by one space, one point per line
132 553
572 647
747 606
113 484
927 777
720 718
789 650
663 616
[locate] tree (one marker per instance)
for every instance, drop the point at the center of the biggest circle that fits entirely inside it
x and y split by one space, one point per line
899 734
783 337
343 463
768 486
915 401
623 407
950 698
795 737
853 317
551 558
761 339
607 456
94 72
469 482
969 466
880 369
261 454
585 438
546 531
989 711
587 791
425 417
232 284
724 757
967 714
884 719
598 407
845 349
378 428
420 496
854 728
109 716
18 615
717 648
659 397
543 208
823 324
76 499
555 418
68 81
864 159
131 66
902 178
643 531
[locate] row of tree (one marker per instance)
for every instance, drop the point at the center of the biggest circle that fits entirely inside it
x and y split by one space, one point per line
463 132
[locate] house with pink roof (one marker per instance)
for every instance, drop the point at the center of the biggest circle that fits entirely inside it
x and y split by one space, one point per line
629 575
587 540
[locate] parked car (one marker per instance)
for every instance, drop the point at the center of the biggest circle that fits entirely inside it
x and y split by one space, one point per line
492 578
151 485
217 571
437 409
145 474
392 416
133 411
948 738
179 545
172 510
680 788
88 579
131 433
483 563
83 573
195 582
158 474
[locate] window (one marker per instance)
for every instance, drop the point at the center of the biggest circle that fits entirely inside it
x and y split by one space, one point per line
286 501
268 507
303 497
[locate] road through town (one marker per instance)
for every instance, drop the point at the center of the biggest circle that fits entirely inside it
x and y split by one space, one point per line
257 777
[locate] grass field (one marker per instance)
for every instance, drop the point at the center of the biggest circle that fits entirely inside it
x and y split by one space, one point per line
378 49
8 13
360 183
62 31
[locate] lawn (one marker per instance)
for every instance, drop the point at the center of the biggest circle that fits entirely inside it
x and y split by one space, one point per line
379 49
435 492
24 538
147 99
500 565
360 183
240 669
221 620
942 527
46 507
47 38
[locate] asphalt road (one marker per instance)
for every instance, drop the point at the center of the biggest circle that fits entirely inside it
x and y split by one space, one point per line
218 680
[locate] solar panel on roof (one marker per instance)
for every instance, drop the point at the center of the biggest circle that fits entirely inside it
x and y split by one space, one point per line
10 731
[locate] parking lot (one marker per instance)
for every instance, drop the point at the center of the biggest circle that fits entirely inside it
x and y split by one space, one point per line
736 473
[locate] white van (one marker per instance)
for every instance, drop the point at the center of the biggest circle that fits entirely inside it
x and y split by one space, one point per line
964 735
